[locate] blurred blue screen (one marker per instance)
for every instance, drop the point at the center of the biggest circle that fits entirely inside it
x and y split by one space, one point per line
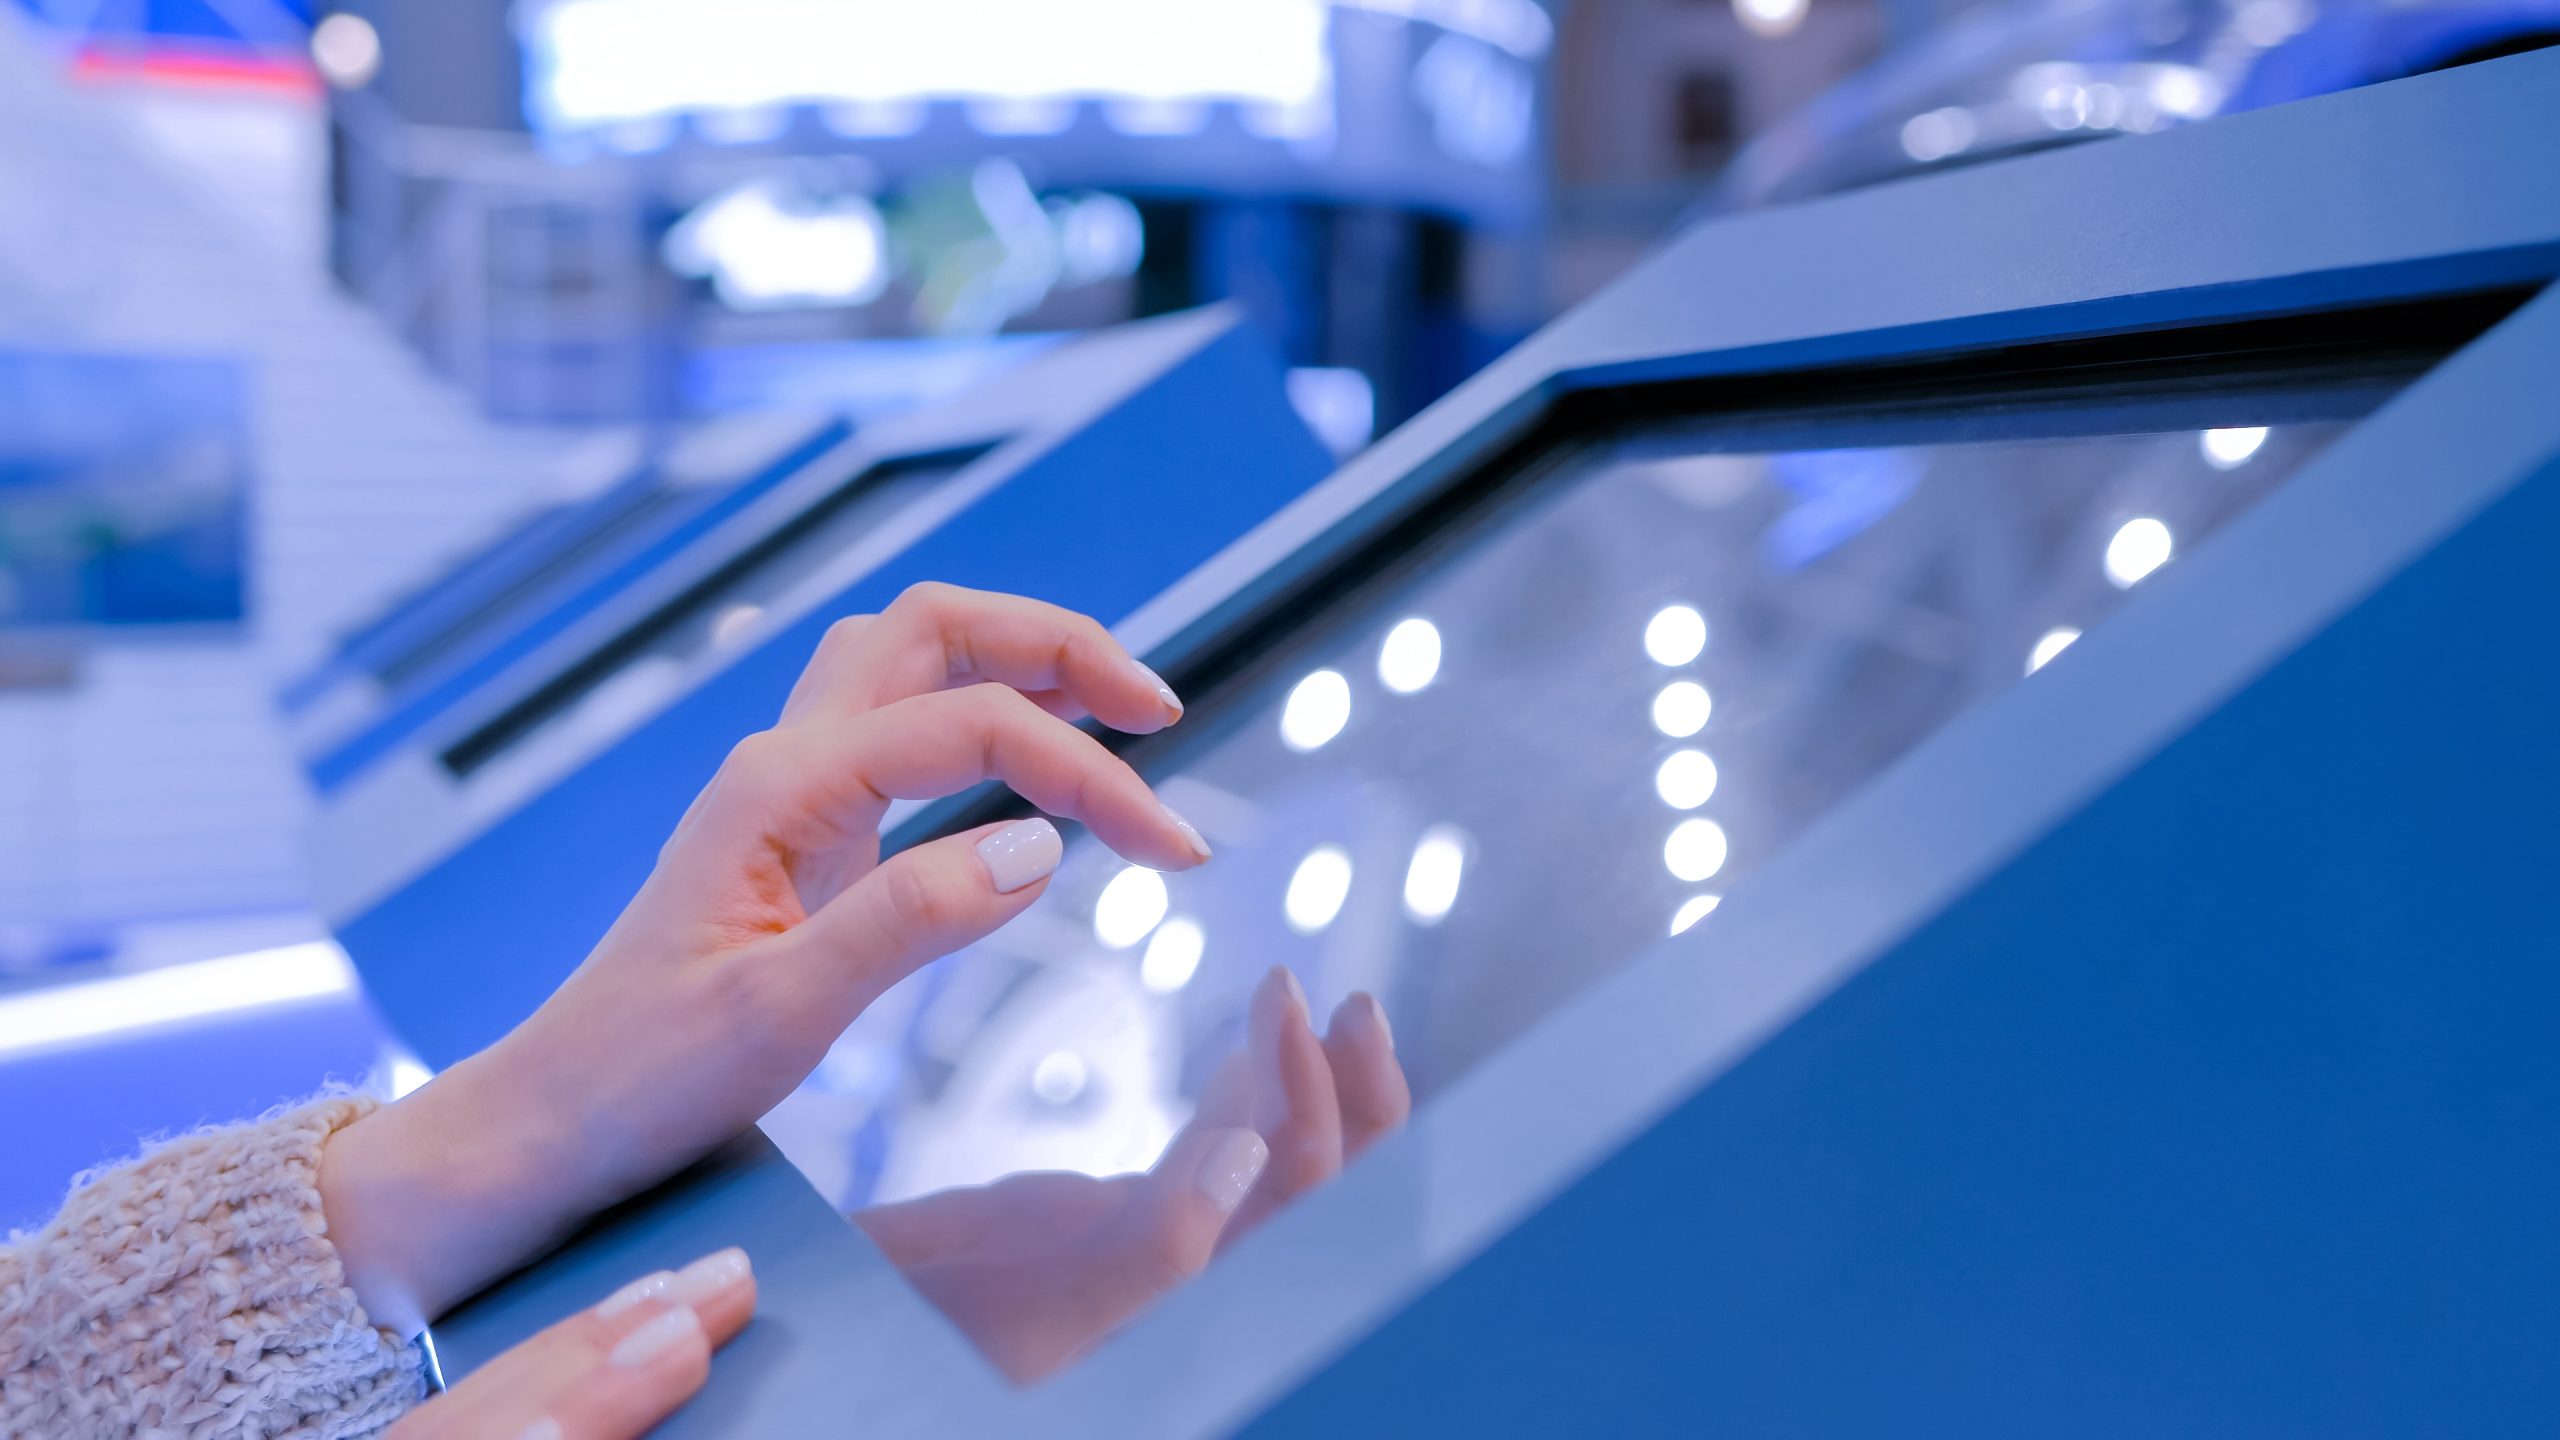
123 490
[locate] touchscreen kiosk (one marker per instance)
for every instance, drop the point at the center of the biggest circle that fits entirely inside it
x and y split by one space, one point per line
459 868
430 650
1948 829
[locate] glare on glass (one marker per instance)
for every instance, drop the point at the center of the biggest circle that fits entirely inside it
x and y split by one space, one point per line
1129 907
1317 889
1681 708
2229 449
1173 955
1686 779
2140 546
1695 851
2053 642
1431 881
1693 910
1410 657
1059 1077
1676 635
1317 710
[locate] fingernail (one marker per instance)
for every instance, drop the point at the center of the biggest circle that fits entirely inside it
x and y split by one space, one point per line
1268 1020
1228 1171
1289 983
710 1275
656 1338
1163 691
1377 1014
545 1428
1190 834
1022 853
638 1290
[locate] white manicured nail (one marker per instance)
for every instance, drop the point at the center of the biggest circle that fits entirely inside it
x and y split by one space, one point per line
1190 834
1022 853
656 1338
1163 691
1228 1171
638 1290
1289 982
1377 1014
710 1275
545 1428
1266 1022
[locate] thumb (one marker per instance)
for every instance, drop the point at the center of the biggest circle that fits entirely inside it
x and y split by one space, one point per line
924 903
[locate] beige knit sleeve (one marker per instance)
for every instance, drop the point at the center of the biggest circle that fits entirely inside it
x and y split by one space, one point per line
194 1292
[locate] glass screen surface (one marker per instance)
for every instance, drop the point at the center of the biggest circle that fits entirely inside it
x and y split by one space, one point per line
1504 751
1557 735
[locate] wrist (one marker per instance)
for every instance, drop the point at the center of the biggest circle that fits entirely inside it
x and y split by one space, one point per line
432 1197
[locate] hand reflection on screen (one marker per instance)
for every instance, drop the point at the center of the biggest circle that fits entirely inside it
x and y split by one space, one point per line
1037 1268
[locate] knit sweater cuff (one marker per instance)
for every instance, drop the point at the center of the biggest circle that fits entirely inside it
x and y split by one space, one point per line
195 1292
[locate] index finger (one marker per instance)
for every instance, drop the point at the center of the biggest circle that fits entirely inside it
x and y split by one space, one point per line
610 1372
820 784
941 637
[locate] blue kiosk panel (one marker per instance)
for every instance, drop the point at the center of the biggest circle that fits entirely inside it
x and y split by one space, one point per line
1841 992
393 676
532 798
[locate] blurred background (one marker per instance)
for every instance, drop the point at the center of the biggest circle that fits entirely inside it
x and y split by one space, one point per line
302 307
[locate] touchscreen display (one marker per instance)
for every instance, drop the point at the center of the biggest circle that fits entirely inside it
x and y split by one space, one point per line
1555 733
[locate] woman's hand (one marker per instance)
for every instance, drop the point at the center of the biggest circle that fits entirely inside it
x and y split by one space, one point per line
769 923
609 1373
1038 1268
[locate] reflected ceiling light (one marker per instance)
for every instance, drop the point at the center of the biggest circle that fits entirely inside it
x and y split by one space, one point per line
1059 1077
1685 781
1317 710
2185 91
1937 134
763 247
1100 237
1410 658
734 624
66 1015
1431 881
1770 18
2229 449
1676 635
1129 907
405 1074
346 50
1682 708
2140 547
2065 107
1693 910
1338 403
1173 956
2052 643
1318 888
1695 850
595 61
